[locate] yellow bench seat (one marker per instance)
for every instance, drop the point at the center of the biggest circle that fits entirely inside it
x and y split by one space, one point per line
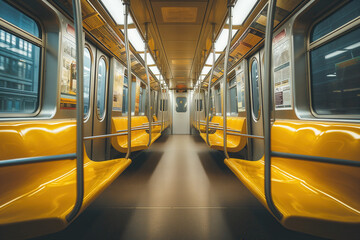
37 197
316 198
139 138
234 143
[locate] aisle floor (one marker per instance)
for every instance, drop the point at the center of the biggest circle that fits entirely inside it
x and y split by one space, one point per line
177 189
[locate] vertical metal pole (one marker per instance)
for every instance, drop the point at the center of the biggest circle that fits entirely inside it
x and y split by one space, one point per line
79 110
128 59
148 82
162 106
167 105
267 103
198 113
209 86
230 6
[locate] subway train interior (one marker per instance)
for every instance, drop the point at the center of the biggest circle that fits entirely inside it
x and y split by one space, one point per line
179 119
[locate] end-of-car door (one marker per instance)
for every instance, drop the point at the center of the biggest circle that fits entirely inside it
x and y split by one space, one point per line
181 114
255 111
89 82
100 106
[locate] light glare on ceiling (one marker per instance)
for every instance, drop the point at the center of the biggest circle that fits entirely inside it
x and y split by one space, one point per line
136 39
155 70
150 60
241 10
221 42
210 57
116 10
205 70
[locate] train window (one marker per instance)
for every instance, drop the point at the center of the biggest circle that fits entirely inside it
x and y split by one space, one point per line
17 18
199 105
163 105
133 96
336 20
241 91
117 85
181 104
218 100
335 68
87 75
211 109
125 97
142 99
255 89
101 88
233 96
19 62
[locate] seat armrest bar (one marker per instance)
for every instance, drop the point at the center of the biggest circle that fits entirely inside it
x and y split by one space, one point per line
28 160
316 159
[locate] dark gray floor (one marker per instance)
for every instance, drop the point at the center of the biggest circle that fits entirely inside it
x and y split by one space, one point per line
177 189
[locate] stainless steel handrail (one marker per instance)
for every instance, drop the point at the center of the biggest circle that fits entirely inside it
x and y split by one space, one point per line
226 60
209 86
106 135
162 106
28 160
148 81
79 39
244 135
134 129
126 4
199 105
268 107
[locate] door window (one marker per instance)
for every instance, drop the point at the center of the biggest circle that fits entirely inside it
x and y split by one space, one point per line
255 89
101 88
181 104
87 75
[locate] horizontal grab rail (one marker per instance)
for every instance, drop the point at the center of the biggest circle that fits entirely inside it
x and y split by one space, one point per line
106 135
245 135
214 124
27 160
238 133
316 159
227 129
134 129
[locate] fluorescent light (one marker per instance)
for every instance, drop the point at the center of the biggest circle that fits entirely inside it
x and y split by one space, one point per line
150 60
136 39
210 57
221 42
331 75
116 10
333 54
155 70
355 45
205 70
242 10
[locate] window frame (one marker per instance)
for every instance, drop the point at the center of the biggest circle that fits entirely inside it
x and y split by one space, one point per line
102 57
36 41
327 38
